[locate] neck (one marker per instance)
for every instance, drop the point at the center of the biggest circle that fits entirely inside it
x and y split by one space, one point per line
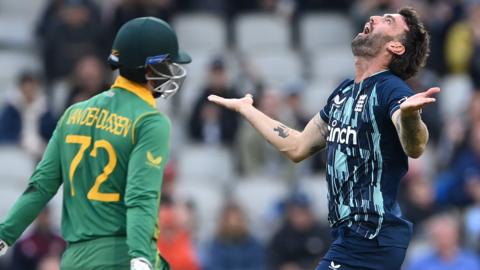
366 67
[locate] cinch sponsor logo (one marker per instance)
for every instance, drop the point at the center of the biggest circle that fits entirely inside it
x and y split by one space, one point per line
346 135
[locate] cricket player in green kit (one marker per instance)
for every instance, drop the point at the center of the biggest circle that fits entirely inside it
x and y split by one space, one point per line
109 152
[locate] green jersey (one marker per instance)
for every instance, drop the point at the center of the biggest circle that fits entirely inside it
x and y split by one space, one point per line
109 153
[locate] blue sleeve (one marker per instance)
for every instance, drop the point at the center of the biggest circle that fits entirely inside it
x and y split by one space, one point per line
325 112
10 125
394 92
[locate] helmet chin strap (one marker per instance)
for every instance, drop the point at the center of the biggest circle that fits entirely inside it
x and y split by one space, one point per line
165 85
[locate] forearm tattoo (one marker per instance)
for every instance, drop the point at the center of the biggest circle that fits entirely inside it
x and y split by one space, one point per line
411 133
323 130
282 131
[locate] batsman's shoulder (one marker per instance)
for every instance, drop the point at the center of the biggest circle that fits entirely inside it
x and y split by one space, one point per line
153 117
151 120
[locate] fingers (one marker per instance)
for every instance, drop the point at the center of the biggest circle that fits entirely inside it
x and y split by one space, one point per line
418 103
218 99
215 99
432 91
421 103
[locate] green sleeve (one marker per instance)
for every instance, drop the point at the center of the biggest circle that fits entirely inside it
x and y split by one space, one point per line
144 181
42 186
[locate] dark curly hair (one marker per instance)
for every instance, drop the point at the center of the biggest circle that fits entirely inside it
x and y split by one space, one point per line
417 46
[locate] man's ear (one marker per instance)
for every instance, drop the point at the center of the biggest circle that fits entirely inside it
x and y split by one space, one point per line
396 47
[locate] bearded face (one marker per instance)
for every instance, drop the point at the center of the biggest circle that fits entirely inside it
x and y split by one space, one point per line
369 45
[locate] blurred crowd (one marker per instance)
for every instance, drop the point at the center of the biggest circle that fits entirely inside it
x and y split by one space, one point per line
440 193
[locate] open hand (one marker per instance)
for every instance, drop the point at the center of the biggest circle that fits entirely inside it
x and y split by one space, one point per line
234 104
418 101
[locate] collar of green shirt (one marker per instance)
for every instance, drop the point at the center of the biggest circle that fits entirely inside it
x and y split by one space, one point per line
138 89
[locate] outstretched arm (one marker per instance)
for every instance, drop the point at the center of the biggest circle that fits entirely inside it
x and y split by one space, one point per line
296 145
413 133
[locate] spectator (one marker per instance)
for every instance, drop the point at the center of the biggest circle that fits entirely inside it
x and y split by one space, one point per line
453 140
474 21
51 15
258 157
472 225
301 241
322 5
210 6
444 234
76 34
233 247
459 184
25 119
293 101
210 123
175 242
461 40
41 244
416 195
168 185
438 16
130 9
431 115
89 78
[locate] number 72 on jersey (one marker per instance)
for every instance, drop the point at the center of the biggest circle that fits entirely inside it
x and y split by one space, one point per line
85 142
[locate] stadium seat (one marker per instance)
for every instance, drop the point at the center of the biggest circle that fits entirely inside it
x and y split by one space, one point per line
26 10
207 200
205 164
277 67
17 166
60 92
198 31
455 95
8 197
261 32
259 196
320 31
15 31
315 187
315 96
334 63
13 62
17 22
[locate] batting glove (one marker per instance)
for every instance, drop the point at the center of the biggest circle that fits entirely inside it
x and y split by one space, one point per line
3 247
140 264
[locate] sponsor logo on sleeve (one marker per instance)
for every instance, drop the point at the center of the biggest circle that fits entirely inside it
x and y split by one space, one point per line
153 161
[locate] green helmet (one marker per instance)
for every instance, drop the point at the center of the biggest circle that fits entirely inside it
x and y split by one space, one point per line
149 43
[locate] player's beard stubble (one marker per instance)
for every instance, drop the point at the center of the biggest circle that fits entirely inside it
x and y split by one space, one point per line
369 45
